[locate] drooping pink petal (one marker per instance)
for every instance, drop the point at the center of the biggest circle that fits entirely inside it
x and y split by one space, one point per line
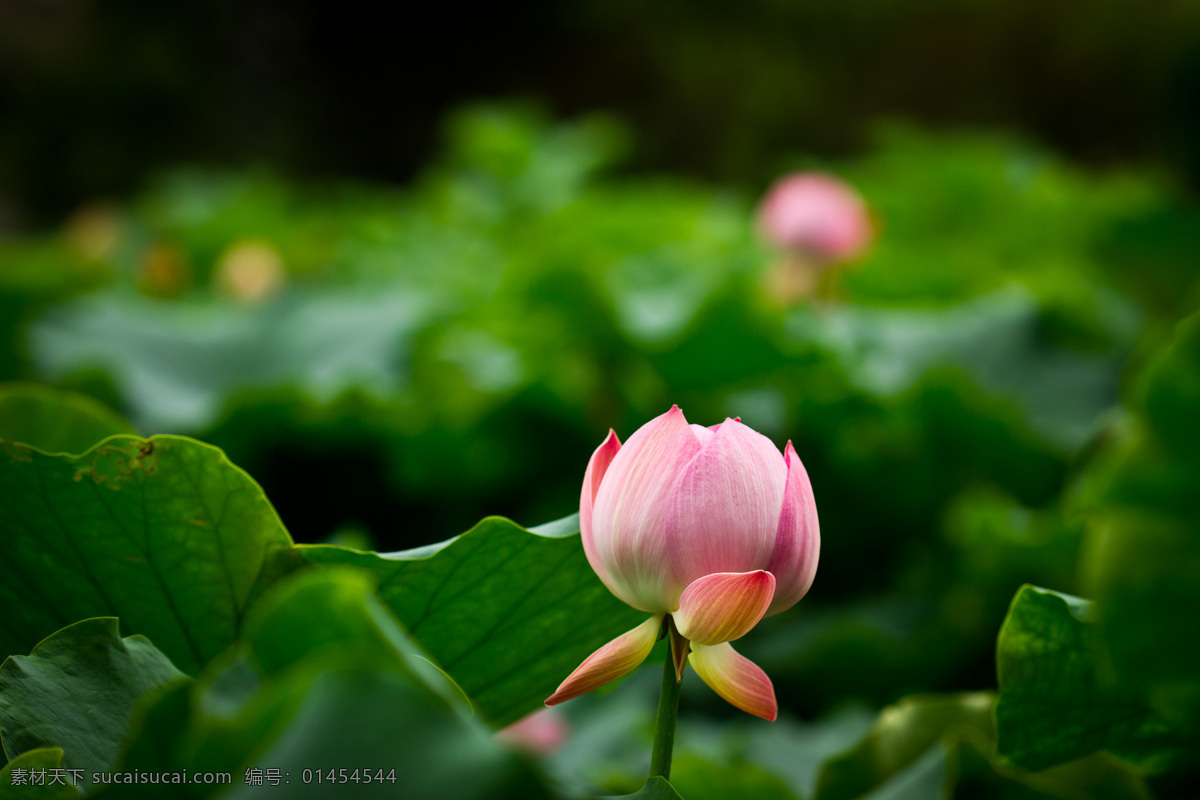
723 512
627 518
723 606
798 539
737 679
619 657
596 469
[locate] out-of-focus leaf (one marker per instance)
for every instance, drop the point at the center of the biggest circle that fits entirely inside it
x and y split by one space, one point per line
164 533
943 746
1143 562
177 366
55 421
1142 567
796 752
77 690
507 612
336 608
998 339
656 788
1057 703
1171 390
352 695
700 779
903 744
36 765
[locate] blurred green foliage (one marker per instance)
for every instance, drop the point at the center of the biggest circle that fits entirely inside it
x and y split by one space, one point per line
400 364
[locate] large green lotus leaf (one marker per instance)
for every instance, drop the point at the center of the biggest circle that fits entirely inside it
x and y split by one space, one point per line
353 694
372 720
507 612
336 608
164 533
77 690
1057 704
17 778
326 714
55 421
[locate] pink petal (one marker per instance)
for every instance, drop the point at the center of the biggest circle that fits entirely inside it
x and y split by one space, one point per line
619 657
627 520
723 606
737 679
539 733
798 539
703 434
596 469
724 510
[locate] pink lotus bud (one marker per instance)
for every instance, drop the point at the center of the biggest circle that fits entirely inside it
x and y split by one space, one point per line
712 526
818 213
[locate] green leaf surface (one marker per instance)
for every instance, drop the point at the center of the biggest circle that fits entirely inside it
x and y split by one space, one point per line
506 612
164 533
1142 565
943 746
354 694
700 779
903 746
656 788
336 609
1057 700
998 338
77 690
55 421
33 776
795 752
178 369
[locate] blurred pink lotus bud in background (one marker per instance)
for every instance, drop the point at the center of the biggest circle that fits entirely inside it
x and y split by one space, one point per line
714 527
817 213
539 733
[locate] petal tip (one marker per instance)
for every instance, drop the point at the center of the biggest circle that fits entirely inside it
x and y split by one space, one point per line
614 660
737 679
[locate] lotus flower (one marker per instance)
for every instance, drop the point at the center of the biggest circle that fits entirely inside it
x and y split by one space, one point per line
816 213
713 527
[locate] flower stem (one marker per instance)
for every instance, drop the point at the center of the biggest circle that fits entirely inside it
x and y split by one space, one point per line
668 713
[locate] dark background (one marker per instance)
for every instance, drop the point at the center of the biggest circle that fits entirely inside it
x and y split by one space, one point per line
95 96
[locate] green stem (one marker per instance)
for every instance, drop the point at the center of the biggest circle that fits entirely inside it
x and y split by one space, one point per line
668 713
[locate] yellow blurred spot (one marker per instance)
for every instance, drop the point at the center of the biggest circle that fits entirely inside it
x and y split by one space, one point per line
94 230
793 278
250 271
